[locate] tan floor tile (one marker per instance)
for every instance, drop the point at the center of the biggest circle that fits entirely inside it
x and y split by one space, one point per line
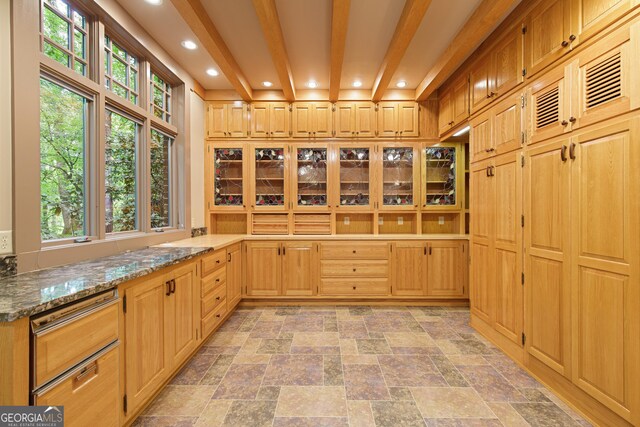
181 400
214 413
348 346
360 414
359 359
315 339
250 346
408 339
228 339
467 359
507 415
311 401
447 347
257 359
449 402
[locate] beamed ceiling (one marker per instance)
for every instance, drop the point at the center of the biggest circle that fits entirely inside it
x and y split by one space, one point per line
332 42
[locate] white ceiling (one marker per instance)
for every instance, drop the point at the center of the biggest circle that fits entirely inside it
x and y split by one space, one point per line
306 26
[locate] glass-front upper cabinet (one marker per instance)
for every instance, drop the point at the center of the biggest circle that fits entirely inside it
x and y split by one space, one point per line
310 177
270 177
440 180
399 177
228 174
355 175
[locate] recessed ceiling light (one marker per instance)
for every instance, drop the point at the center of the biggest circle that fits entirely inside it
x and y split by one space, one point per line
267 84
188 44
154 2
401 83
357 83
312 84
462 131
212 72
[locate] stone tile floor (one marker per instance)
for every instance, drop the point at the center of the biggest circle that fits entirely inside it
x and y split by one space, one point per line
353 366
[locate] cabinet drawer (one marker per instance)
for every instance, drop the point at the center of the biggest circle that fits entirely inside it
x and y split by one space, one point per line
355 287
209 283
213 300
68 343
214 318
270 224
355 268
213 262
350 250
89 394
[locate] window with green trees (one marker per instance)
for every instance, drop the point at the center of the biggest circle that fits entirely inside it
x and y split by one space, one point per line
120 71
120 173
65 35
63 141
160 97
160 179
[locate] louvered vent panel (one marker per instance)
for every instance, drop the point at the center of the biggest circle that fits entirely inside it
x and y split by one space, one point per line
548 108
604 81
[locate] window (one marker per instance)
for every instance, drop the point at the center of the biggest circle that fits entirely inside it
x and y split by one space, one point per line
160 98
65 36
120 173
160 179
120 71
63 141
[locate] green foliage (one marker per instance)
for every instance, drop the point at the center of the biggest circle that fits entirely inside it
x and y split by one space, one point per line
62 163
160 152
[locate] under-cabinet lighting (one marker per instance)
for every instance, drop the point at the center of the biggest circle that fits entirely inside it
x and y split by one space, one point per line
462 131
189 44
212 72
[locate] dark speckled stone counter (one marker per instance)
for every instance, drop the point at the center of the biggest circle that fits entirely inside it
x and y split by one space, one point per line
31 293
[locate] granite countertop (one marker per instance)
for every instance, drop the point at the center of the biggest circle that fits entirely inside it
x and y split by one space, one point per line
34 292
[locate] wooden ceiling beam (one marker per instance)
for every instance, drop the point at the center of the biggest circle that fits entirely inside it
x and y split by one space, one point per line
195 15
481 23
270 23
408 24
339 26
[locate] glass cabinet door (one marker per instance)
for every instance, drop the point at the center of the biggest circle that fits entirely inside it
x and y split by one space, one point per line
311 177
228 174
269 168
440 184
355 185
397 177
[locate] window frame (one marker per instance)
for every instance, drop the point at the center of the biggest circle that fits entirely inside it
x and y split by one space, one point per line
130 52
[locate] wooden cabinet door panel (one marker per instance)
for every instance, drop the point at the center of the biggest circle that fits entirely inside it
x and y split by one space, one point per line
301 121
234 276
547 247
481 137
409 269
299 268
548 28
345 119
507 63
481 201
408 119
236 120
482 291
216 120
322 120
446 269
445 112
460 100
387 118
183 303
591 16
263 271
507 124
480 85
146 361
365 120
279 120
260 114
549 106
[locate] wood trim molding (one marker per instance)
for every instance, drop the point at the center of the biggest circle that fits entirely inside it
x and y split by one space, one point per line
408 24
339 27
195 15
270 22
198 89
478 27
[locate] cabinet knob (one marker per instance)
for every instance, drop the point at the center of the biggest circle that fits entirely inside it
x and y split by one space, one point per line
564 123
354 252
354 270
354 288
572 37
217 280
572 119
565 43
217 298
217 315
488 96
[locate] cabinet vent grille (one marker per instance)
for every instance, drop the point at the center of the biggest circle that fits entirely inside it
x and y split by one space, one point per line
604 81
548 108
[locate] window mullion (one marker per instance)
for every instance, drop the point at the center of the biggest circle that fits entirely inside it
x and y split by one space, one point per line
145 152
99 132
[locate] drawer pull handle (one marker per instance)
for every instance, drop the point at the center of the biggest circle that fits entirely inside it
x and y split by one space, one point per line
217 280
84 374
354 270
217 261
217 298
354 252
168 288
354 288
217 315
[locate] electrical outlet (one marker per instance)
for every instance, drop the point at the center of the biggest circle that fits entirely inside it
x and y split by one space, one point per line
6 245
380 220
346 220
440 220
400 220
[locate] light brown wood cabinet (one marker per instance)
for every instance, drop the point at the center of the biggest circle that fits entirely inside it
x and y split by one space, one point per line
409 268
269 174
453 104
226 175
263 274
398 119
299 268
498 130
234 276
355 119
227 120
447 272
312 120
270 120
160 324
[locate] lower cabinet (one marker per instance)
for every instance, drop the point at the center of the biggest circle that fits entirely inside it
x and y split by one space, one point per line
160 315
264 268
299 268
234 276
410 269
